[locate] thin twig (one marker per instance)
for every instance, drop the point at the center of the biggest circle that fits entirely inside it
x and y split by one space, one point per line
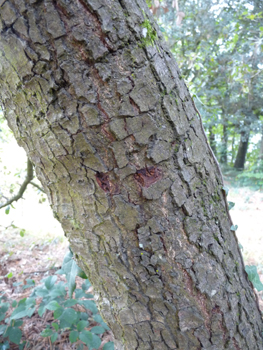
41 271
37 186
29 177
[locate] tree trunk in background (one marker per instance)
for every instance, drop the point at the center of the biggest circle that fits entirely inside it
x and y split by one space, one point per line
223 158
233 149
260 157
98 103
242 150
212 140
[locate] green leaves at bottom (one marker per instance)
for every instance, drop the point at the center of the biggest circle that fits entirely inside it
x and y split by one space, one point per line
86 337
91 340
4 346
53 337
231 205
254 277
108 346
46 332
73 336
14 334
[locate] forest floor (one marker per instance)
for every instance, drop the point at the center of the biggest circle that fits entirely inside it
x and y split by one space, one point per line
37 256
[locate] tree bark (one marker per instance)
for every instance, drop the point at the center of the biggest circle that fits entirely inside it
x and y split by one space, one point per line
242 151
98 103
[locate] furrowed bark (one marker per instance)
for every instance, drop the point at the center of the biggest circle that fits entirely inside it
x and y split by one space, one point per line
102 111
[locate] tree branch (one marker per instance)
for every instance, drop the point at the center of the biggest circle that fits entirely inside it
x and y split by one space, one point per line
37 186
29 177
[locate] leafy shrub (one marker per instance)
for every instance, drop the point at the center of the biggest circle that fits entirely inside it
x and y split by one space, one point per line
253 176
57 297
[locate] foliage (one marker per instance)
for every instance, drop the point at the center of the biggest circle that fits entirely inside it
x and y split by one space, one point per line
219 49
149 33
253 176
254 277
55 297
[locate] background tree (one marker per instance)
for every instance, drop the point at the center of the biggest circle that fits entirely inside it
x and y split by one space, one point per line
92 93
218 47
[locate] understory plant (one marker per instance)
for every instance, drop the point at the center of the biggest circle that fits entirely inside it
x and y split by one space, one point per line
56 296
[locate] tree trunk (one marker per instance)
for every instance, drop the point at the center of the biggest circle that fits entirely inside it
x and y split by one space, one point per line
260 156
233 153
242 151
93 95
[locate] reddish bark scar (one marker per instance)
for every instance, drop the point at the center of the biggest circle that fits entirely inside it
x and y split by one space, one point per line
104 182
148 176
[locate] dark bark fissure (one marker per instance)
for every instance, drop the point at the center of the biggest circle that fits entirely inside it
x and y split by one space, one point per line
111 128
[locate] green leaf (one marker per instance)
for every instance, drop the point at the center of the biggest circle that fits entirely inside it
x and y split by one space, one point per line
81 325
108 346
22 311
70 302
46 332
22 302
21 346
41 292
4 346
41 310
225 189
86 285
89 305
7 210
231 205
53 337
14 334
53 305
3 309
9 275
30 284
73 336
58 313
69 315
254 277
96 341
99 319
233 227
2 328
50 281
14 303
86 337
22 232
18 323
79 293
84 316
97 330
55 325
71 270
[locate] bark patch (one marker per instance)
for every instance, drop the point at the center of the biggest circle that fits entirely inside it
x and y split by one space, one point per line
148 176
104 182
